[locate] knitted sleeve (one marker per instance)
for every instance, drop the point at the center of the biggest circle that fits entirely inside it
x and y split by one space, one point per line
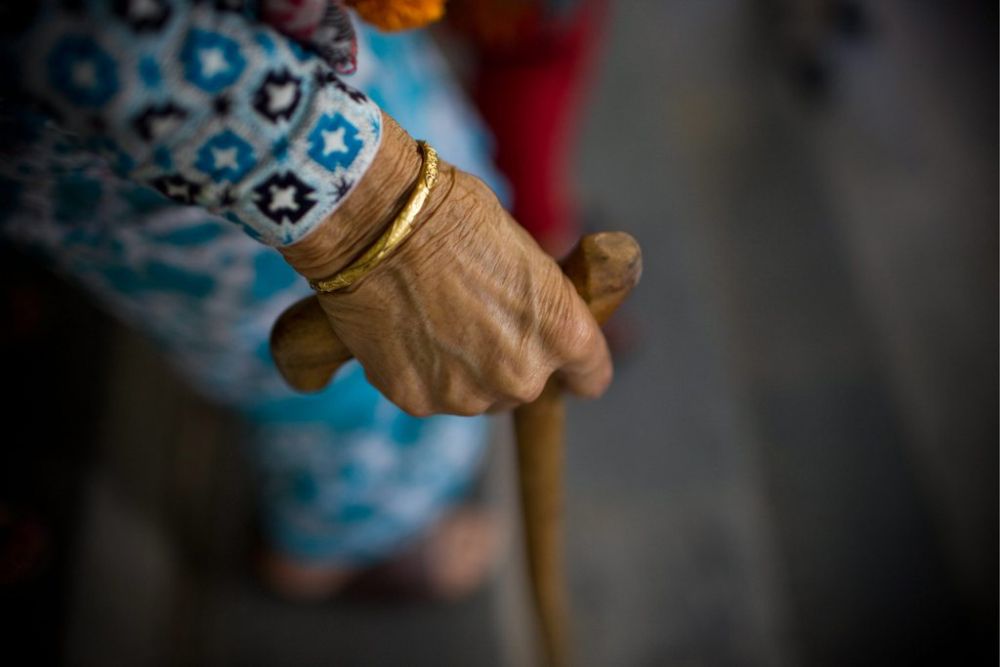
204 104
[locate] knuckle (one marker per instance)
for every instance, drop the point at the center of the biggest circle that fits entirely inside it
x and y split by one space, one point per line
413 404
535 390
514 380
418 409
579 337
529 390
521 382
467 408
462 399
572 331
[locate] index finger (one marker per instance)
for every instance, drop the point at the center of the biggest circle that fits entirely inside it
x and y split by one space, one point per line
588 370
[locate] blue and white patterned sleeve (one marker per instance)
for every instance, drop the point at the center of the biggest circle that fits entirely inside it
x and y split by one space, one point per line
206 105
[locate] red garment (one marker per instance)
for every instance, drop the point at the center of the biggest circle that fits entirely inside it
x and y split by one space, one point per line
529 89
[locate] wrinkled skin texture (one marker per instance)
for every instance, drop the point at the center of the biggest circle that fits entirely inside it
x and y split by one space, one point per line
468 315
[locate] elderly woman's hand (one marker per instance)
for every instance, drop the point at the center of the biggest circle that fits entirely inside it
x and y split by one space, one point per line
469 314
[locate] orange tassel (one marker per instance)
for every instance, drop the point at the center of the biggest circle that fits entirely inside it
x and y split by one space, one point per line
394 15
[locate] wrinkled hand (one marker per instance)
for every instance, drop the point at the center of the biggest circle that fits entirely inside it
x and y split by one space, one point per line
468 315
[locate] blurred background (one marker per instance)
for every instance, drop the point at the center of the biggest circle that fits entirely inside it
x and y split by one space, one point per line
797 464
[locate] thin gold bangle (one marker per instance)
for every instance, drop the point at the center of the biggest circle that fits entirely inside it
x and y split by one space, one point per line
400 229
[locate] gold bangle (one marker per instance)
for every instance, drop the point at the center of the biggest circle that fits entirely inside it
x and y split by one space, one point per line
400 229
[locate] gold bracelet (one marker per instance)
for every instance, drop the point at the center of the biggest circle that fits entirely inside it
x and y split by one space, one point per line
400 229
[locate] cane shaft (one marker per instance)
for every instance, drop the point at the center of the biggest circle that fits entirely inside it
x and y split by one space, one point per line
539 428
603 268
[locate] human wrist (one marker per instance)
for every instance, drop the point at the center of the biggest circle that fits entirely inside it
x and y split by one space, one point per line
366 212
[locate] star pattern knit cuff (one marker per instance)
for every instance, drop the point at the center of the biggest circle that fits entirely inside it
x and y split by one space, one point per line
205 105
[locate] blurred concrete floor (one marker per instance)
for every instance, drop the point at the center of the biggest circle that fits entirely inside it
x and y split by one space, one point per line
807 468
797 465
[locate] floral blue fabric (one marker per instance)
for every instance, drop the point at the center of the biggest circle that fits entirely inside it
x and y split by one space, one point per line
344 475
205 105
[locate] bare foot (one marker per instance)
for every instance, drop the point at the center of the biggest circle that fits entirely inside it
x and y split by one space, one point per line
452 560
298 581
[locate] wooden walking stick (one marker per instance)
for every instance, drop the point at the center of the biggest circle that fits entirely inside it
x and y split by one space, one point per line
603 268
